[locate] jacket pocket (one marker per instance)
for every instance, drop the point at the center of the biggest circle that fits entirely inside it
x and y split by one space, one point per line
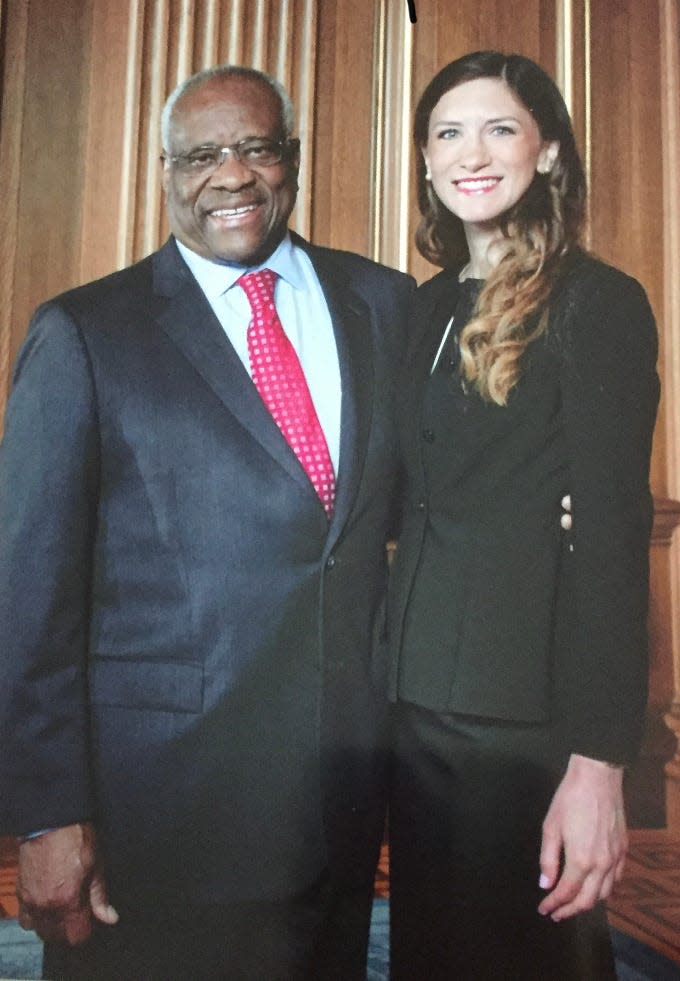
167 686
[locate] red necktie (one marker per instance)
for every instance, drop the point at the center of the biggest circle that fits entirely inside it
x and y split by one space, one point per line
280 380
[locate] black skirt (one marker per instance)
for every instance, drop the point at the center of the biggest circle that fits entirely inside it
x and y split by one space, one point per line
468 800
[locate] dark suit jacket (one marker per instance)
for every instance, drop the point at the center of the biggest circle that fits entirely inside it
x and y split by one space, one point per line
185 643
494 611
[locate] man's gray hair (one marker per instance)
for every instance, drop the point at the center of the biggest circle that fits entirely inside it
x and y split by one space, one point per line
227 71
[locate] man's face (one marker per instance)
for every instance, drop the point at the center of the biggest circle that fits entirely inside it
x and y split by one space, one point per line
240 212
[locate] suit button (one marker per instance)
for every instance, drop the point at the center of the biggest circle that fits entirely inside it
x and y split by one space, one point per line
421 506
330 562
428 435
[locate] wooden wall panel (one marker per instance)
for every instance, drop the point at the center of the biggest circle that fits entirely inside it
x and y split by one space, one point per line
343 110
669 66
627 166
670 150
646 780
44 110
13 38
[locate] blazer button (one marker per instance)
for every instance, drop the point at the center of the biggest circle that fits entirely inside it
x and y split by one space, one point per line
428 435
330 562
421 506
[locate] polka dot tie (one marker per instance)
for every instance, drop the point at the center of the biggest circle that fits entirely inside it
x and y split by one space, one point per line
280 380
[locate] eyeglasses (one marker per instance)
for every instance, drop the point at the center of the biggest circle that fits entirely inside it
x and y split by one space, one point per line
256 151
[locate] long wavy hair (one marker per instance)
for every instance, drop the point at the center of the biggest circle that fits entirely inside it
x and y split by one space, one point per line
541 231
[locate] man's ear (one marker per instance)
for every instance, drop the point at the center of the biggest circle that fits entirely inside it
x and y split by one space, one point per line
295 157
165 172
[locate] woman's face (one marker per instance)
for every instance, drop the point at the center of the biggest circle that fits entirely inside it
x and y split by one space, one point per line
483 150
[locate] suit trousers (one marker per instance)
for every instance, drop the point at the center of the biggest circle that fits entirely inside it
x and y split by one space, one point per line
319 936
467 803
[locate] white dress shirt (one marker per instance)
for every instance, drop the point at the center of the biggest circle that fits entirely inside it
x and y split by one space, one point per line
303 313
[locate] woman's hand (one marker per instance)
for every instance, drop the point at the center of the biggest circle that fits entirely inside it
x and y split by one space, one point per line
586 822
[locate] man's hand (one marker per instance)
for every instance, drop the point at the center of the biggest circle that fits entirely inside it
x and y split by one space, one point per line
585 819
60 887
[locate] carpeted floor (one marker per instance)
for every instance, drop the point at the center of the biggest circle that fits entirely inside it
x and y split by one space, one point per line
644 914
20 953
646 904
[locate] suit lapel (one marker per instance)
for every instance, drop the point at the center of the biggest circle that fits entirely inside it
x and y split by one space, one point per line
350 316
187 318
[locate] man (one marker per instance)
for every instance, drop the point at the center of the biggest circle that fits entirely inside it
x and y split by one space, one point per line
191 701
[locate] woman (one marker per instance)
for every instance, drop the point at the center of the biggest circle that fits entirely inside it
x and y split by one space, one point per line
519 650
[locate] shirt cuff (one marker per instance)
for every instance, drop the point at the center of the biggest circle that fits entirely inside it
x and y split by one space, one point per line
34 834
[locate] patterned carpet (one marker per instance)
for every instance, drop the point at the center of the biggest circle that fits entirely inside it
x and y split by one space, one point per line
8 901
645 906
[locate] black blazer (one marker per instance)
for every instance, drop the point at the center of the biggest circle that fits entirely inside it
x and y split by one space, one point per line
185 644
494 611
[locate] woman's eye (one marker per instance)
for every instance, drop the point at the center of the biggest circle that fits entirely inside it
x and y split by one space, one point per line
503 131
448 134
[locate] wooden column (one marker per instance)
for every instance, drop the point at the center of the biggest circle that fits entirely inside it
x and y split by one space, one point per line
669 66
653 784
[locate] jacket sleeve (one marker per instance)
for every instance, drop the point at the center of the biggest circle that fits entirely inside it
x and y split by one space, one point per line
48 505
610 393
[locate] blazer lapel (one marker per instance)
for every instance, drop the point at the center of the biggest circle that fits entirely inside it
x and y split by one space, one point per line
187 318
434 315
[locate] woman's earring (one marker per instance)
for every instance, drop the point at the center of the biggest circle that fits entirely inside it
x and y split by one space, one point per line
428 175
548 162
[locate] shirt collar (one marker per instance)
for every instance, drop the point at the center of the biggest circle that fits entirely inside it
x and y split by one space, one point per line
215 278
